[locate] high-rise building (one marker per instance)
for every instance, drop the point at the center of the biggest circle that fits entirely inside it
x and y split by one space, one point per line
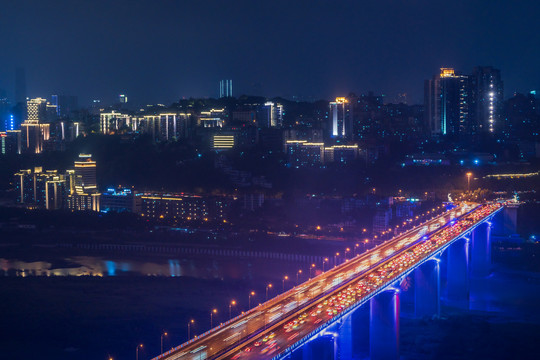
123 99
10 142
447 99
20 86
270 115
225 88
40 189
341 118
85 174
84 193
488 99
34 131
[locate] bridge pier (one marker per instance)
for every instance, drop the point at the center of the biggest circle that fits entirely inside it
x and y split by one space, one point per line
345 339
458 273
384 325
481 250
427 289
506 221
322 347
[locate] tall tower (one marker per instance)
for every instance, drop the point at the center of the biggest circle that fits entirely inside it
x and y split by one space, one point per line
341 118
447 102
225 89
34 131
488 101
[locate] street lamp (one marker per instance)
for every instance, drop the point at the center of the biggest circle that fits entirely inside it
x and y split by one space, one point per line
355 247
137 351
214 311
249 299
312 267
269 286
335 261
189 328
346 251
298 273
162 335
324 261
469 174
283 282
230 308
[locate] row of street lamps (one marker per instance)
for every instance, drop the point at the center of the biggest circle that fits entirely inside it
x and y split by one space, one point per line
285 278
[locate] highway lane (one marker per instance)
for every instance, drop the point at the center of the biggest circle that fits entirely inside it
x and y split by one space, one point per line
260 318
308 320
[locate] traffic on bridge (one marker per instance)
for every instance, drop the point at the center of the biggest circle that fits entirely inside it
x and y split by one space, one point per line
271 328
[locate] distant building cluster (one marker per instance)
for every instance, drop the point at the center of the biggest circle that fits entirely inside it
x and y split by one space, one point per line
465 105
457 106
75 189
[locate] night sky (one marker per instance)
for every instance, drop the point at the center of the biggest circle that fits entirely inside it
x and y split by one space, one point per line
162 50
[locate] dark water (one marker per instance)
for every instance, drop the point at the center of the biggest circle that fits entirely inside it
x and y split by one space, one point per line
106 266
90 307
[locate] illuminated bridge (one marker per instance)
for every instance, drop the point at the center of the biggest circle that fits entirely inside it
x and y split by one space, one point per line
314 320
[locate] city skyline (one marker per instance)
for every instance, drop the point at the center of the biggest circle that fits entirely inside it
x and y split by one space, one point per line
378 49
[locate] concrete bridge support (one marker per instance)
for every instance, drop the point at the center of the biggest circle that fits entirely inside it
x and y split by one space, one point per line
323 347
427 289
384 326
345 339
458 273
481 250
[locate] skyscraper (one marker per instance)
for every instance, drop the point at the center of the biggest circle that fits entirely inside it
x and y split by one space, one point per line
341 118
225 88
488 101
84 194
447 103
270 115
85 174
34 131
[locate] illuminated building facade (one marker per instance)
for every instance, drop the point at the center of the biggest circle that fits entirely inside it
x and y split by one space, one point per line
341 153
183 207
112 122
340 115
10 142
447 99
301 153
120 200
84 194
225 88
35 132
212 118
40 189
488 100
270 115
223 142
